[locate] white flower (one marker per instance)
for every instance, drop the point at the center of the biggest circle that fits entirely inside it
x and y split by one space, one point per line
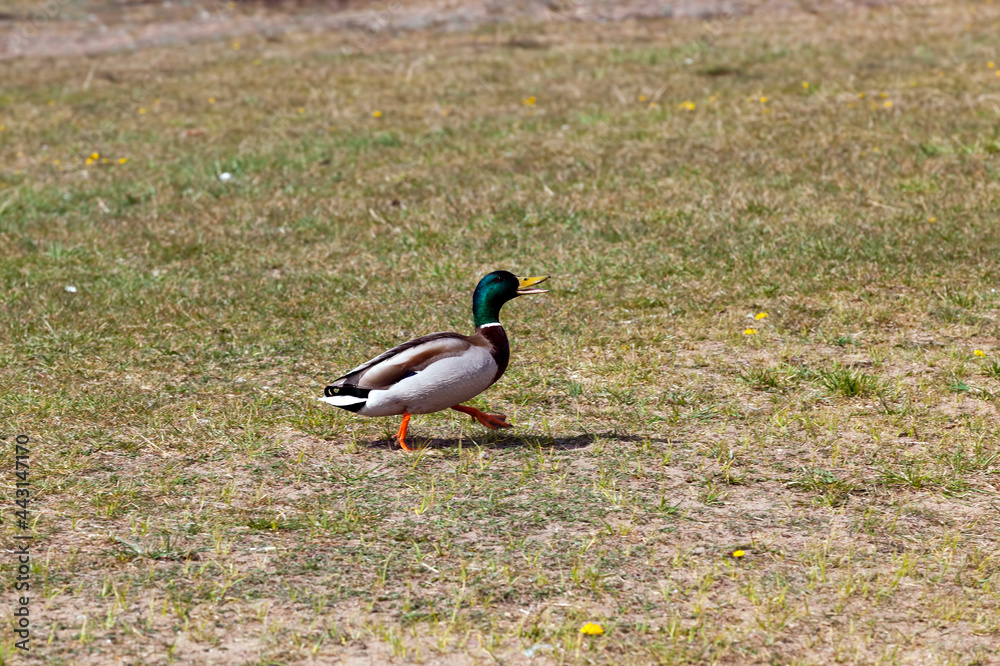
71 289
225 176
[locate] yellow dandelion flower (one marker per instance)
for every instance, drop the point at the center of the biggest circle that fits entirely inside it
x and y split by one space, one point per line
875 149
998 72
888 104
738 553
256 61
236 46
750 331
142 112
883 95
991 64
760 315
689 106
3 128
529 101
763 100
301 110
592 629
56 162
805 84
376 114
861 95
642 98
712 98
89 161
211 100
980 353
104 160
932 219
123 160
95 156
52 102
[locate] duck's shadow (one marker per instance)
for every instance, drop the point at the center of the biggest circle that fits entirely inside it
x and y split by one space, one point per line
513 442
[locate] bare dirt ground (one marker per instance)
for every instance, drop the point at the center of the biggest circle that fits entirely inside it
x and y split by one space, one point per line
47 28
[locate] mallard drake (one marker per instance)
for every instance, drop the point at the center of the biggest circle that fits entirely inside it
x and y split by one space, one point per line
440 370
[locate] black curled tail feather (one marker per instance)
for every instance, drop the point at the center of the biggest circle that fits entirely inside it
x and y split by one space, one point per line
353 398
352 391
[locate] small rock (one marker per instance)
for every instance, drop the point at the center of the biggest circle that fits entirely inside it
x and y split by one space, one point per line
530 652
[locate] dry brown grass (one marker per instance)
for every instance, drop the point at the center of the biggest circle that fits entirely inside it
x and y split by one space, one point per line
196 505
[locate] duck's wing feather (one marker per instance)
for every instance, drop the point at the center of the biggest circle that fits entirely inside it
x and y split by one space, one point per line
413 356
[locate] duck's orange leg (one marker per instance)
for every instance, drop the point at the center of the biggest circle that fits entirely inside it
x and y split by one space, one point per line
489 420
401 435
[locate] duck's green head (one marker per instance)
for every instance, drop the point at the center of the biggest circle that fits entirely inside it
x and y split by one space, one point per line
496 289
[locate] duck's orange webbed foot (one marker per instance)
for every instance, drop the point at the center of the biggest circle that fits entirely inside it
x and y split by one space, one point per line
401 435
492 421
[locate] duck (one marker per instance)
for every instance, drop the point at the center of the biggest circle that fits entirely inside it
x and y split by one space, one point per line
441 370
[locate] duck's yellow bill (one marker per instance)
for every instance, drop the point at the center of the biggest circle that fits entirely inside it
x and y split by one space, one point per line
525 285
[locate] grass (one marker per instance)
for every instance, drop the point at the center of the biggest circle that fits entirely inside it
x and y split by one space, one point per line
193 502
848 383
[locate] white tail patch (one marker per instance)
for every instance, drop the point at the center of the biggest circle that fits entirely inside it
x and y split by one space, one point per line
344 401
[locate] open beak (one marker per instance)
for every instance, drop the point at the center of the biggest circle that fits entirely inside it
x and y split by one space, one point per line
526 285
